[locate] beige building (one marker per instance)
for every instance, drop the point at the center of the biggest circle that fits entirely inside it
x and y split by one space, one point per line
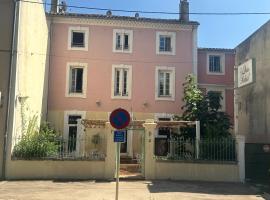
23 61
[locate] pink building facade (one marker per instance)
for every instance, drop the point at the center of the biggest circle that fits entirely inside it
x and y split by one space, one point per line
216 73
99 63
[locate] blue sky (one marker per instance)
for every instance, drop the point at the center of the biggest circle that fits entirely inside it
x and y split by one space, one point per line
214 31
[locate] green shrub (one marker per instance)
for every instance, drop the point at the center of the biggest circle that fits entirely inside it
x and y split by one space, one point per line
36 142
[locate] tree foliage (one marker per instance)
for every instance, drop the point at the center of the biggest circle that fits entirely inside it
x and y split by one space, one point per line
204 108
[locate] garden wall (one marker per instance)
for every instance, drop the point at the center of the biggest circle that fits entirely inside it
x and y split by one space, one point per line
22 169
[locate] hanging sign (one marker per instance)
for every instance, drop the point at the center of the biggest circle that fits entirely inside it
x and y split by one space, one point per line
246 73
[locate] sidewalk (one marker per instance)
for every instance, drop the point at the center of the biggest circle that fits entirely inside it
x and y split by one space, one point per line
129 190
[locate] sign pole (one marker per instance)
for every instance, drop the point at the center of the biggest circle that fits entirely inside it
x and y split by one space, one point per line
117 169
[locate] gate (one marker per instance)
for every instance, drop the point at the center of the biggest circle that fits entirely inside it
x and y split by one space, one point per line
257 162
133 159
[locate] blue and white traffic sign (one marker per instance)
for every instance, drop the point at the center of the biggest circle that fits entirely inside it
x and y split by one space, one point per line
119 136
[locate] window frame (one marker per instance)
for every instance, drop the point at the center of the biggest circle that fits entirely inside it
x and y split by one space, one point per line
172 35
122 33
82 114
78 29
223 94
129 81
84 82
172 83
222 64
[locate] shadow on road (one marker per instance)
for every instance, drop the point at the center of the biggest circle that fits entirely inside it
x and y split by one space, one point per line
200 187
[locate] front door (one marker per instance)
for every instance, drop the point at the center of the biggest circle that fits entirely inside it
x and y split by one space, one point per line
123 149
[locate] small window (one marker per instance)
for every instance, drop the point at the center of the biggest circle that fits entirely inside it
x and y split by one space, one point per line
122 41
215 64
165 42
76 80
121 81
165 83
78 38
220 92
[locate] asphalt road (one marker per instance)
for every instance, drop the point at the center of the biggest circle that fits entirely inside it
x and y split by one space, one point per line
129 190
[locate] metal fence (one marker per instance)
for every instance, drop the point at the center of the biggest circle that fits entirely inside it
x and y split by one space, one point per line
57 148
202 150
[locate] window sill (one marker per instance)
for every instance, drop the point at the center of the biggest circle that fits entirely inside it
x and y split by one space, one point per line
77 48
121 97
75 95
122 51
171 53
165 98
216 73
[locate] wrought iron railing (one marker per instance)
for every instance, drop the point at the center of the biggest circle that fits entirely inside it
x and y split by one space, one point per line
221 150
72 148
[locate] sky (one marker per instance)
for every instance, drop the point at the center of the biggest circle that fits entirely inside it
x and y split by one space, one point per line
214 31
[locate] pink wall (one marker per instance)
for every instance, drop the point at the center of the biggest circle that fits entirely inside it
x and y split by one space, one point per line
100 59
227 80
203 77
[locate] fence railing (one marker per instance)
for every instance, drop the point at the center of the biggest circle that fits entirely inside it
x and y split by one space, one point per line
202 150
72 148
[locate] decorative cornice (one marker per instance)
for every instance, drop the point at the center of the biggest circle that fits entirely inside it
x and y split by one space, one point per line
149 24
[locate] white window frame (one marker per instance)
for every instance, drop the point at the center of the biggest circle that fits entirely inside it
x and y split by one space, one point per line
173 41
130 40
157 117
222 63
84 86
129 81
66 126
223 94
80 29
172 83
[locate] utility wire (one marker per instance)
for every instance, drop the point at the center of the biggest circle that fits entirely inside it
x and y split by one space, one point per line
150 12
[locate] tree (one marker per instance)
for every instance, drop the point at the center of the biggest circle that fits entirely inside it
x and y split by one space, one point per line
206 109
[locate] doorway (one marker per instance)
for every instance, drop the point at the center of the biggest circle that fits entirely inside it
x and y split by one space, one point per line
132 155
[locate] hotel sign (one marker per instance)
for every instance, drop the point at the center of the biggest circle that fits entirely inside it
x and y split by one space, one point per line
245 73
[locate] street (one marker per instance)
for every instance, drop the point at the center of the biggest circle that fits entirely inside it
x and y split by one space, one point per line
129 190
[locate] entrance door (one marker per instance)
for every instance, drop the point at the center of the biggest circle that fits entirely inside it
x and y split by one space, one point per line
257 162
126 148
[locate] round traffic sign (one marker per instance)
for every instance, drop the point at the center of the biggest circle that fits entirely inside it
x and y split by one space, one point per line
119 118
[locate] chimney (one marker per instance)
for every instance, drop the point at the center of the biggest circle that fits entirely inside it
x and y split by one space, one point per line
54 6
184 11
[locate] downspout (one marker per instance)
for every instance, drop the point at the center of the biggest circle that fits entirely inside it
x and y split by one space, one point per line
49 62
13 66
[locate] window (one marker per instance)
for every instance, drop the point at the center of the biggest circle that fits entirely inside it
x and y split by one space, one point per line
215 64
222 93
78 38
76 80
121 81
165 43
165 83
71 133
122 40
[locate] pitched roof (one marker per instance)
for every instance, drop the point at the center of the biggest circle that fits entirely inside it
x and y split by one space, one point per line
217 49
126 18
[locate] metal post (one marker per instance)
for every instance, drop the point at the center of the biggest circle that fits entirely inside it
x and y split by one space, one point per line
198 137
117 169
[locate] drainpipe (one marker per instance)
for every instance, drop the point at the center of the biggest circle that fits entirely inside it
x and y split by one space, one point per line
12 83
